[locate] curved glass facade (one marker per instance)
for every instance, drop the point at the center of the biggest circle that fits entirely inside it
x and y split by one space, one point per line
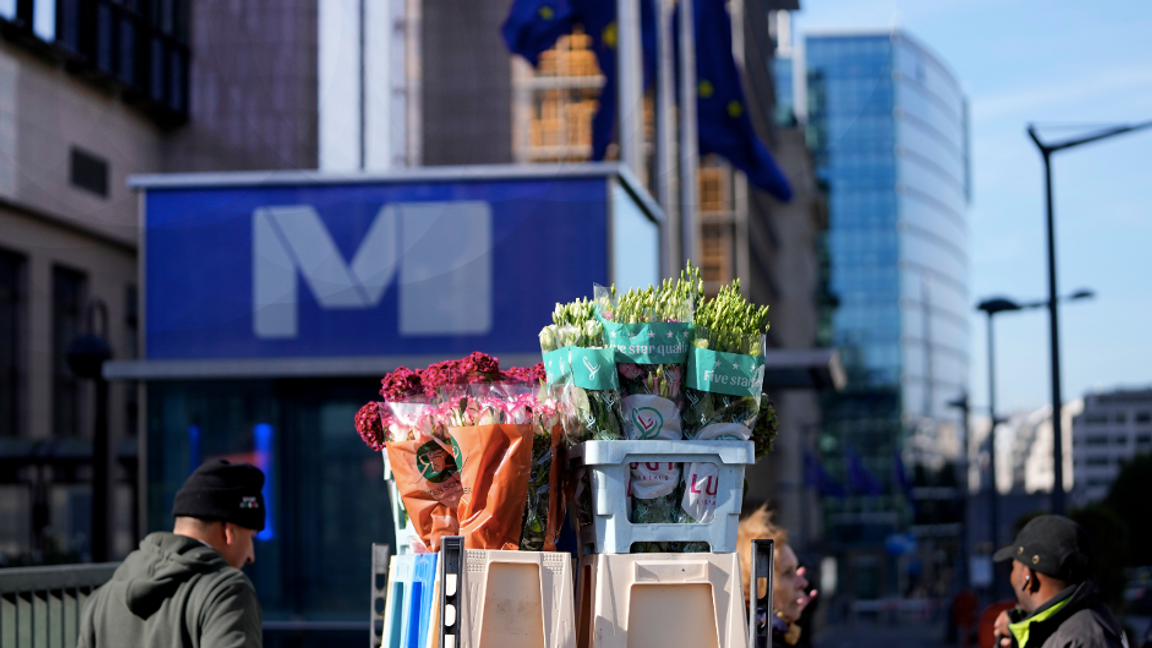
888 127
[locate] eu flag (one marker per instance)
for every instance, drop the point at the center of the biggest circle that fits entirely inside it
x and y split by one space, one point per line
599 20
859 478
818 478
722 118
533 26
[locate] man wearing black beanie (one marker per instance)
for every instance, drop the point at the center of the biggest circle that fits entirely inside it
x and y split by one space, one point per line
185 588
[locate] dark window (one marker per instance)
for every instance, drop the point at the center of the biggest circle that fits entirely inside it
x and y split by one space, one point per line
1096 440
1122 417
1143 439
139 45
1097 461
1096 419
1144 417
1122 440
68 297
132 330
89 172
11 332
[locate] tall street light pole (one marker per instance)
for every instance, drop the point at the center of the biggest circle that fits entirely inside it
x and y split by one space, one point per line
991 307
1046 150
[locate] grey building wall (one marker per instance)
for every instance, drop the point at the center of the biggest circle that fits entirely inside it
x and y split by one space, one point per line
253 77
49 222
466 83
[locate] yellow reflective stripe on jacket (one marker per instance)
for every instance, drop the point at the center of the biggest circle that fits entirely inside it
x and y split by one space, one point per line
1021 629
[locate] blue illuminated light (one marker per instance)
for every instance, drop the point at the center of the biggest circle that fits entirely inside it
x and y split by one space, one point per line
193 448
262 437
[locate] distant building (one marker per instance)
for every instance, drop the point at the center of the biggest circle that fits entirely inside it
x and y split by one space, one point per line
1113 428
889 128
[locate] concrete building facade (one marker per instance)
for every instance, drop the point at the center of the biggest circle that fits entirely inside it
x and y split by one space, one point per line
1112 428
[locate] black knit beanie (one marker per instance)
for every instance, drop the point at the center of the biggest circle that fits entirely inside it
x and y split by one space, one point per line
221 490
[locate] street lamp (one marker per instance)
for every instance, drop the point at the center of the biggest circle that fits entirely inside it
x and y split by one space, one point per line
1046 150
86 355
991 307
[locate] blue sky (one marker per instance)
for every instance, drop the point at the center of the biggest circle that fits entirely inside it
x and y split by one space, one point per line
1061 62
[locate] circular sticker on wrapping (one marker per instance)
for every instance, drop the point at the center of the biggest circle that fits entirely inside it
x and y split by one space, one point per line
434 463
702 478
652 417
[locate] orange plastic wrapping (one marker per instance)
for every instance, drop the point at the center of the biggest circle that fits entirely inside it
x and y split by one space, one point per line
559 491
429 484
494 462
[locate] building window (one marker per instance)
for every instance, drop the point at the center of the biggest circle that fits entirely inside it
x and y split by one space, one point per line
1121 440
11 334
1144 417
1097 461
1122 417
132 333
556 102
1144 439
1096 419
1096 440
69 289
138 45
89 172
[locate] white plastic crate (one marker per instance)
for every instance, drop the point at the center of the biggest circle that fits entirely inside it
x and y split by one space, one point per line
608 465
660 600
405 535
504 599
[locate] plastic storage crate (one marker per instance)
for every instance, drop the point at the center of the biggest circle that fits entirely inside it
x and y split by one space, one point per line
607 464
659 600
504 599
409 604
405 535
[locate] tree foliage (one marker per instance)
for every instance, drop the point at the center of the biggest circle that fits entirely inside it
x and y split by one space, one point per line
1129 498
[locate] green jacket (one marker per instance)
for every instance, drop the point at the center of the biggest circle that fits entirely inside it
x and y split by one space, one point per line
1074 618
174 591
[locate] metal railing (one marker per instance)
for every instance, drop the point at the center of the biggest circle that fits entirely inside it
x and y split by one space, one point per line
40 606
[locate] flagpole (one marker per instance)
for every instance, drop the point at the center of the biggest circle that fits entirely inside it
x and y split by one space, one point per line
665 140
629 77
689 147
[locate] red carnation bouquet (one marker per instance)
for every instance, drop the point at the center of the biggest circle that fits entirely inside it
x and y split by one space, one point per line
474 450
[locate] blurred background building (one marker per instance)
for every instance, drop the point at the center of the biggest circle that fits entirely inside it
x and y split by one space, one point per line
1112 428
887 125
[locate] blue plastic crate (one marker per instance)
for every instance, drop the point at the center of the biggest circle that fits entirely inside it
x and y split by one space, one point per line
607 465
408 610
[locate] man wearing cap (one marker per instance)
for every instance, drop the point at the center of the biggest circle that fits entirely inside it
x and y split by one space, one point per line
185 588
1059 606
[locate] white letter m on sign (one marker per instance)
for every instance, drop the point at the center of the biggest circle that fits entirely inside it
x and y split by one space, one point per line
443 252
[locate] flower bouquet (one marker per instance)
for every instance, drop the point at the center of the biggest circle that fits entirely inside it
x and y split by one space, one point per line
472 450
578 362
650 330
724 387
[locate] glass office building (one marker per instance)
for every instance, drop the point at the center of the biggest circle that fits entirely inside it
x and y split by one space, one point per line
888 130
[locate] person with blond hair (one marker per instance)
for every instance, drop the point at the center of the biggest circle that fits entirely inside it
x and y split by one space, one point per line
790 593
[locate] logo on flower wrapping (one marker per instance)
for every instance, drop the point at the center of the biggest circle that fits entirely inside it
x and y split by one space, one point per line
649 421
433 463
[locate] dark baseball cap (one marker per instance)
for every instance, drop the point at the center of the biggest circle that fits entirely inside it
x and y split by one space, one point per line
1052 545
222 490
